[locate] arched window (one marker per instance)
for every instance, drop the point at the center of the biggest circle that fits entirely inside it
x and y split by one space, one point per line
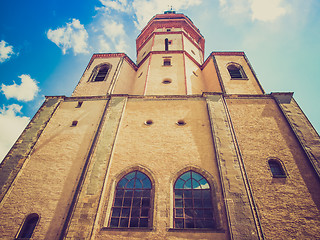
132 203
236 71
99 73
193 202
276 169
28 226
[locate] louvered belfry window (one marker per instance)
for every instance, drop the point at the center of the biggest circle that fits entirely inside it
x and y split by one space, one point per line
192 202
102 72
132 203
235 72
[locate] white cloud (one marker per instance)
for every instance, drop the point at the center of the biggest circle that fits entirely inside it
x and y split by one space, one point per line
11 126
114 31
103 45
6 51
222 2
73 36
118 5
26 91
146 9
234 8
261 10
203 186
267 10
121 46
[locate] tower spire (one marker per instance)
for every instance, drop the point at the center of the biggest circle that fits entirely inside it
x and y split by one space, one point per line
170 10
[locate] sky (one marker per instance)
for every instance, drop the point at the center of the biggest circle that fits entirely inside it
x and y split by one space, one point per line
45 46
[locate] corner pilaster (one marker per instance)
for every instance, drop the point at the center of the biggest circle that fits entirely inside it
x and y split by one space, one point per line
22 148
239 212
302 128
87 207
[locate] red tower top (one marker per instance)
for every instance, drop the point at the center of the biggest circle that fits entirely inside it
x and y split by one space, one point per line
170 19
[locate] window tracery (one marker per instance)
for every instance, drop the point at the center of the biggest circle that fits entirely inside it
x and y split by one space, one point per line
132 203
193 202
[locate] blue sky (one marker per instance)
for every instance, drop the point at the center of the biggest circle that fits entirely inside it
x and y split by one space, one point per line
46 45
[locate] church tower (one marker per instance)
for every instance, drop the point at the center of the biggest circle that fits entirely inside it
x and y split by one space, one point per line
173 146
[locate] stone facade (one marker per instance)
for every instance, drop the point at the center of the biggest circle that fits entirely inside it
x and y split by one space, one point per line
169 113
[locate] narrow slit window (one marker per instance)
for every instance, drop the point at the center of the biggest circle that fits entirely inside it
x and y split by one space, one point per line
74 123
192 202
79 104
166 43
132 202
28 226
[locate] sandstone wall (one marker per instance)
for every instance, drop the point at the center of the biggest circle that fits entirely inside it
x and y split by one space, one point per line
288 207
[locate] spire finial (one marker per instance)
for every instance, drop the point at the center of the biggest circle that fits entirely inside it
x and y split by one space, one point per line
169 11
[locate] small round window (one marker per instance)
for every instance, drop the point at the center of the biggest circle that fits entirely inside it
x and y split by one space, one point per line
166 81
148 122
181 122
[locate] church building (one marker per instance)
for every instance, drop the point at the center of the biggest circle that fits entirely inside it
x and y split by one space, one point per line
172 146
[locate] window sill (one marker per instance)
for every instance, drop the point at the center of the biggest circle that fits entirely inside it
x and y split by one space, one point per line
127 229
196 230
279 176
239 79
166 65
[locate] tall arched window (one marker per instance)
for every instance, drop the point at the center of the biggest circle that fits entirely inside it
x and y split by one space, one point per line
276 169
236 71
132 203
28 226
193 202
99 73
